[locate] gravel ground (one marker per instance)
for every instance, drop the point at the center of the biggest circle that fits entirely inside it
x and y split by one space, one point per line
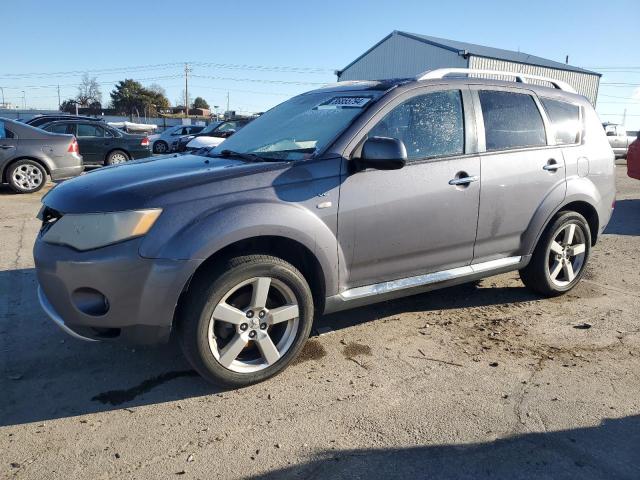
485 380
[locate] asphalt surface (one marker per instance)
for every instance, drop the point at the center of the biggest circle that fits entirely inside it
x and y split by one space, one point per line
485 380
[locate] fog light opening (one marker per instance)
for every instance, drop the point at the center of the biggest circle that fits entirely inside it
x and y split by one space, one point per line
90 301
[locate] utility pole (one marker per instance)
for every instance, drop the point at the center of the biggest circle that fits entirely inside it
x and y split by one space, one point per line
186 89
59 97
227 101
24 100
4 105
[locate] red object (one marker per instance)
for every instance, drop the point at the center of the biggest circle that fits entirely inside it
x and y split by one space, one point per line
73 146
633 159
145 142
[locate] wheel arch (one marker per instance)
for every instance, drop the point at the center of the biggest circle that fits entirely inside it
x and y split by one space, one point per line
292 251
7 166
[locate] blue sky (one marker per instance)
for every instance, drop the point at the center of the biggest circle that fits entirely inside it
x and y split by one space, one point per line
313 37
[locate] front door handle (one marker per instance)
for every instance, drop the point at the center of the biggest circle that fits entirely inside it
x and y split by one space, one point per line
466 180
6 147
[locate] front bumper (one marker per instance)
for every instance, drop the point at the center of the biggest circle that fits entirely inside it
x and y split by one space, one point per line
141 294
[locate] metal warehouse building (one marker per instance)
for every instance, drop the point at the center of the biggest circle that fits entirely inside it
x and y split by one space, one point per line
402 54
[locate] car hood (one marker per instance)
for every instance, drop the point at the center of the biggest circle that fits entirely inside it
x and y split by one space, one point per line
149 183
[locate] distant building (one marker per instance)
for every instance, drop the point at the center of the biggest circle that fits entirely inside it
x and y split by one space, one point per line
402 55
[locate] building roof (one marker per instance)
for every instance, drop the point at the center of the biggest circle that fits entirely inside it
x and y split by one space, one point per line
481 51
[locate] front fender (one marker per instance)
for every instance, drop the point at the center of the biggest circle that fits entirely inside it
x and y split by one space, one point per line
215 229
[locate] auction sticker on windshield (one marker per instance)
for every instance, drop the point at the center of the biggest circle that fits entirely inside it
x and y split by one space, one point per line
345 102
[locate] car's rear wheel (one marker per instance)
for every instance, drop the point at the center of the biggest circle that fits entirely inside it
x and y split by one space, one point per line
160 147
245 320
26 176
116 157
560 258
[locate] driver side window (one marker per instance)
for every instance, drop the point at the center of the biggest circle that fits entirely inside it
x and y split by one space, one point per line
429 125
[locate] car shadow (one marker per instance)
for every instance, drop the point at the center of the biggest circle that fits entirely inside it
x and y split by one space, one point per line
48 375
609 450
626 218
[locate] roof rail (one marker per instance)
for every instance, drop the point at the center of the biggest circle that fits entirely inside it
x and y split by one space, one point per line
520 77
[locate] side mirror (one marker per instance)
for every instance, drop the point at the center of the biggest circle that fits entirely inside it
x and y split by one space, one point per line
226 133
382 153
611 133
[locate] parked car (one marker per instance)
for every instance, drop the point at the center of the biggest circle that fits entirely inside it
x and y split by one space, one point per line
101 144
28 155
340 197
40 120
619 139
633 159
161 142
211 136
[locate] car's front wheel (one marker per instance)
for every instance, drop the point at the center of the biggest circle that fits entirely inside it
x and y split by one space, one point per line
245 320
26 176
560 258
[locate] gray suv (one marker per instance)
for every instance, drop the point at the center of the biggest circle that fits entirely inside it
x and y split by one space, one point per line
340 197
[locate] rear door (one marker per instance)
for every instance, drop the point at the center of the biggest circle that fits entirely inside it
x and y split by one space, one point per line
522 170
91 142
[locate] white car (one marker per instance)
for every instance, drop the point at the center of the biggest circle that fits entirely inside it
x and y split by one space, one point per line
161 142
213 135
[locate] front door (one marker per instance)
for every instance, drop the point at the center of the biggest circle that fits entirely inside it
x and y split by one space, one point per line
400 223
521 174
8 144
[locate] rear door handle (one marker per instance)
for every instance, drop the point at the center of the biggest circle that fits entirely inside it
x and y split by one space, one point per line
552 165
463 180
6 147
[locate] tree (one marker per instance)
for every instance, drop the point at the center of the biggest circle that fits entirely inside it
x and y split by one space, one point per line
131 97
89 91
155 88
68 106
200 102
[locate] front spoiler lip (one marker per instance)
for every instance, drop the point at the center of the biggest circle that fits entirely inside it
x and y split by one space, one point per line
53 315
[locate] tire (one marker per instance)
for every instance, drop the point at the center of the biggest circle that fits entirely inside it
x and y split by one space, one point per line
557 266
221 328
26 176
116 157
160 147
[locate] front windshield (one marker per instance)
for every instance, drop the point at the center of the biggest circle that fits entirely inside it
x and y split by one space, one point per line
300 127
210 128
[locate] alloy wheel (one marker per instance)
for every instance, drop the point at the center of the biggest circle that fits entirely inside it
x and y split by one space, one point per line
118 158
253 325
566 254
27 177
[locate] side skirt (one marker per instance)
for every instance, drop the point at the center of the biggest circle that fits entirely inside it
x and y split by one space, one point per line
403 287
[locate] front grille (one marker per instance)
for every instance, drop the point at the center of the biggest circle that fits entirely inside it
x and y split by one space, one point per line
48 216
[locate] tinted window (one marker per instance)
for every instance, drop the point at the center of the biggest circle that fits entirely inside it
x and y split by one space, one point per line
565 119
86 130
5 132
430 125
511 120
60 128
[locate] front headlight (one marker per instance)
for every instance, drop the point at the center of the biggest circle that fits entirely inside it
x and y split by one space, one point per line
94 230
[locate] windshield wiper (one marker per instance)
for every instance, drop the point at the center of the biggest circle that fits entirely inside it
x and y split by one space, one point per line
249 157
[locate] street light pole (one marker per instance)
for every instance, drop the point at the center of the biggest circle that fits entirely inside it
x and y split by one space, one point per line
4 105
24 101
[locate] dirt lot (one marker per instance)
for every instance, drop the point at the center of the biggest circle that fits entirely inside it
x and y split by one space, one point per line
480 381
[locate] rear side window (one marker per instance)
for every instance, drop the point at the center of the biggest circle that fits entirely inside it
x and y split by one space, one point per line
511 120
60 128
430 125
565 119
5 132
86 130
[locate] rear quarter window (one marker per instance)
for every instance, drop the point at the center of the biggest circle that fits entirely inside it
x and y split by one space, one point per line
565 119
511 120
